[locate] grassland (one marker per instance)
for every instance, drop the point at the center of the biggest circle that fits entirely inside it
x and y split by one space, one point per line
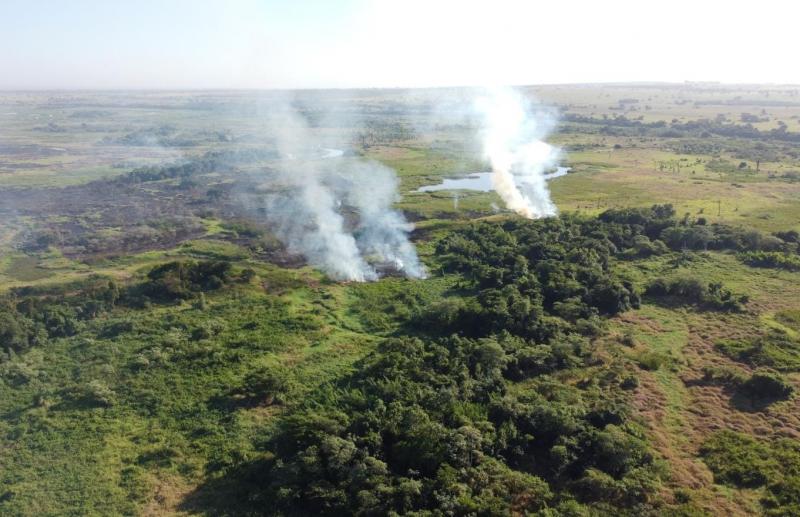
178 419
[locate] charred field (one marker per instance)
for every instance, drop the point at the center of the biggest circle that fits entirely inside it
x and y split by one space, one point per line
169 349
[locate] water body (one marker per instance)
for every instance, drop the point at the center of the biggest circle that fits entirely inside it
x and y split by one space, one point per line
332 153
316 154
480 181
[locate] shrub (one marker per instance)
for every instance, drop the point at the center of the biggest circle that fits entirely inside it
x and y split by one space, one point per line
269 384
764 384
98 393
115 328
446 315
737 459
644 247
771 259
789 236
691 290
742 461
628 338
651 360
247 275
209 328
783 496
725 375
13 332
181 279
775 350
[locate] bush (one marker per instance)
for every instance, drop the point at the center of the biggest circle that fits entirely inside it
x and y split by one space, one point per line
775 350
724 375
209 328
14 333
247 275
783 496
270 384
771 259
644 247
737 459
691 290
181 279
441 410
446 316
651 360
742 461
789 236
767 385
98 393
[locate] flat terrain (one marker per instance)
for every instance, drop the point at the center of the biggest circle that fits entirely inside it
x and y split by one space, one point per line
144 408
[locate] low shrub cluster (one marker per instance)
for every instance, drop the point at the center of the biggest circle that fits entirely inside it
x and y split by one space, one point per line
693 291
771 259
767 385
181 280
775 350
743 461
29 317
763 385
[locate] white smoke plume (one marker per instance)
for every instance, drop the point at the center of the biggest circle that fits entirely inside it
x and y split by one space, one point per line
512 137
382 233
309 193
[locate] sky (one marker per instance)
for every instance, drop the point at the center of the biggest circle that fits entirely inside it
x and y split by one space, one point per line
252 44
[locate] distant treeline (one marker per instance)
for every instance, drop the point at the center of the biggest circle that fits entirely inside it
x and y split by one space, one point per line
214 161
702 128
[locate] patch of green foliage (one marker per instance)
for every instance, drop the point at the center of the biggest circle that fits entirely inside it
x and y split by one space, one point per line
487 397
431 424
790 318
741 460
767 385
181 280
382 306
773 259
96 411
762 386
729 376
693 291
473 414
774 350
27 321
525 274
652 360
660 227
26 269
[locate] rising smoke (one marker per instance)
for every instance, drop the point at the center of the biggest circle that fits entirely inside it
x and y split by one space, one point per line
509 131
512 138
335 211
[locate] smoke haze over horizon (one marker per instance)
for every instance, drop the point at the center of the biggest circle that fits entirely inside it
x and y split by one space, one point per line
182 44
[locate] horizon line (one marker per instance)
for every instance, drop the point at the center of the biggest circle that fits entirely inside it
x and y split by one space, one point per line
377 88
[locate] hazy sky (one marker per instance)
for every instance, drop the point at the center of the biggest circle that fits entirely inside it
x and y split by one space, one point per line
344 43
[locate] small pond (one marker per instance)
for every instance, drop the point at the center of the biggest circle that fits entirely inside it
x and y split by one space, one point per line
480 181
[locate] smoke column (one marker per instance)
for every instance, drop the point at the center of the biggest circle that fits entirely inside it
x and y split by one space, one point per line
512 142
305 196
382 232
